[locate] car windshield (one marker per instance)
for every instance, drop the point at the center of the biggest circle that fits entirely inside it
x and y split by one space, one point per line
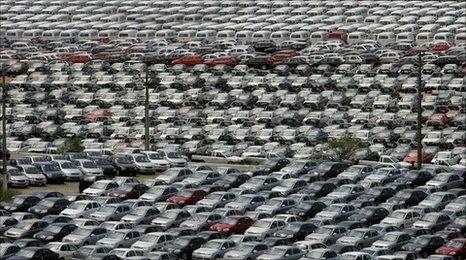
53 229
89 164
107 209
117 235
213 244
455 244
78 206
335 208
441 177
460 221
26 253
357 233
151 238
214 196
169 214
182 241
173 155
68 165
82 232
366 211
99 185
429 218
262 223
277 251
31 170
24 225
293 227
18 200
122 160
398 214
390 237
199 218
244 248
324 167
126 187
275 203
155 156
231 221
422 240
86 250
325 231
404 194
141 159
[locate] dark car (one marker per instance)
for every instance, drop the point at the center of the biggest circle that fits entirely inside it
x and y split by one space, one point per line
184 246
49 206
296 231
328 170
408 197
370 215
51 171
415 178
107 167
269 166
233 225
320 188
378 194
232 180
187 197
123 165
55 232
20 203
35 253
424 245
128 191
307 209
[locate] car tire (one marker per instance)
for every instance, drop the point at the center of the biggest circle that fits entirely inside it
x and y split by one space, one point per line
85 243
359 247
184 256
402 226
328 243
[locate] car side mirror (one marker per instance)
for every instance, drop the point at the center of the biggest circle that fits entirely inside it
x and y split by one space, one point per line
126 238
92 235
286 255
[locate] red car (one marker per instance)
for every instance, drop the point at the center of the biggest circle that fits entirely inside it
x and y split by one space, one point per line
189 60
281 56
412 157
440 46
227 60
187 197
99 115
233 225
128 191
455 247
438 119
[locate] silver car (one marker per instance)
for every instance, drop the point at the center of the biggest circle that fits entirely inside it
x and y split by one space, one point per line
120 238
246 202
153 241
170 218
110 212
83 236
16 178
392 241
248 250
282 253
360 237
214 249
71 171
141 215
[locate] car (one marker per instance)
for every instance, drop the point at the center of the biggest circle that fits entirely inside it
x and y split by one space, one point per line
100 187
282 252
87 235
408 197
321 253
64 250
455 248
392 241
424 245
120 238
128 191
170 218
88 251
7 250
433 221
202 221
51 171
264 228
360 238
438 200
328 170
327 234
213 249
337 212
141 215
35 253
49 206
401 218
296 231
80 208
217 199
370 215
110 212
26 229
153 241
184 246
246 250
159 193
55 232
20 203
187 197
34 176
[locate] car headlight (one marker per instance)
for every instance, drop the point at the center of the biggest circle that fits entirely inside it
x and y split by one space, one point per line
182 202
49 237
176 251
226 230
452 253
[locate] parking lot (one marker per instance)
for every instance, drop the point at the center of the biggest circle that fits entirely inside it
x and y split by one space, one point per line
276 129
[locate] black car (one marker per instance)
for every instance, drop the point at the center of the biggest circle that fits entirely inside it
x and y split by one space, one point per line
341 249
20 203
328 170
35 253
424 245
415 178
55 232
49 206
408 197
123 165
232 180
48 194
51 171
184 246
320 188
269 166
307 209
107 167
378 194
28 242
370 215
296 231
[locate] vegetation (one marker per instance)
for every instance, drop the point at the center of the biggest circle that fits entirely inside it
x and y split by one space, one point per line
72 145
344 148
5 195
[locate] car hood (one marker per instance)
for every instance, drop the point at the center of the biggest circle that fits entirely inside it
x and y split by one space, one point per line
434 183
421 223
162 221
221 226
266 208
176 199
235 254
268 256
118 192
392 221
15 231
72 238
317 237
131 217
190 223
93 191
382 243
44 234
348 240
205 251
71 212
108 241
207 202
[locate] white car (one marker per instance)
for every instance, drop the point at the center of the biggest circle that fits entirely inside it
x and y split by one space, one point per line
98 188
71 171
446 180
157 159
401 218
65 250
264 228
80 208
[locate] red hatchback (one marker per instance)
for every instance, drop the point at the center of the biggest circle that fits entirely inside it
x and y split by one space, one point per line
226 60
233 225
187 197
412 157
455 247
189 60
128 191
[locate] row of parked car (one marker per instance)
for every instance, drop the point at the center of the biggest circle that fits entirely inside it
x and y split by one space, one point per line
280 209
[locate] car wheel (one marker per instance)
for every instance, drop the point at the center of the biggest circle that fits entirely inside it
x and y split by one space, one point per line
119 246
184 256
359 247
402 226
328 242
85 243
444 188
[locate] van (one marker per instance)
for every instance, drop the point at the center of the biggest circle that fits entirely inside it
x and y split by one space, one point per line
430 28
260 35
69 35
206 35
410 28
167 34
146 35
33 33
192 18
279 37
128 34
424 38
243 37
386 38
51 35
355 19
300 36
186 35
460 38
317 36
444 36
355 37
391 19
372 19
226 35
14 34
109 34
405 37
88 34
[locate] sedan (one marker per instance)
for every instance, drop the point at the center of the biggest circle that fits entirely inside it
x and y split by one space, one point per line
55 232
120 238
213 249
282 253
87 235
49 206
360 238
42 253
128 191
141 215
246 250
233 225
110 212
424 245
26 228
187 197
20 203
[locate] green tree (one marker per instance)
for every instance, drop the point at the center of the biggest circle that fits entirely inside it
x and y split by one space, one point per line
72 145
344 148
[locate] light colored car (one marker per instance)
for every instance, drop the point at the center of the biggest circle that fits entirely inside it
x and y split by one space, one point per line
153 241
80 209
69 169
65 250
337 212
143 164
33 174
98 188
83 236
214 249
247 202
401 218
360 237
264 228
16 178
392 241
327 234
246 250
445 181
157 159
171 218
438 200
282 253
120 238
110 212
433 221
89 167
174 158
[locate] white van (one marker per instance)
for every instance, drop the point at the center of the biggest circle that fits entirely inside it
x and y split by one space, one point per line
424 38
192 18
405 37
280 36
300 36
260 35
128 34
460 38
108 34
444 36
89 34
372 19
355 37
430 28
146 35
14 34
33 33
186 35
51 35
317 36
243 37
226 35
206 35
167 34
355 19
386 38
69 35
